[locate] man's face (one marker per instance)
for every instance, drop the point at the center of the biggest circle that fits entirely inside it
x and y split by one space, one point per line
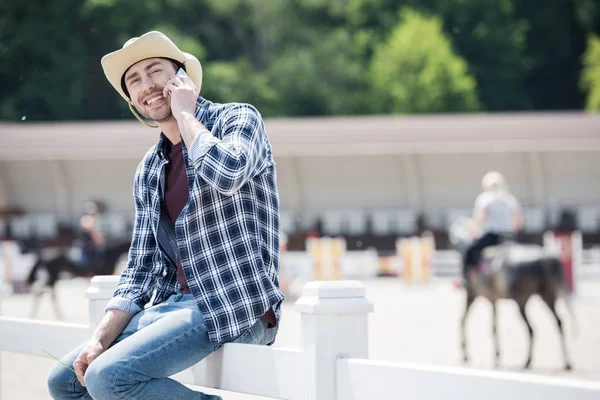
145 81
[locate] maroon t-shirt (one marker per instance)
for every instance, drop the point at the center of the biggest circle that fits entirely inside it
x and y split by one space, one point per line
176 196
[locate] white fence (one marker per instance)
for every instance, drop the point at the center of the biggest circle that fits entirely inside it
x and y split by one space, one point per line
331 364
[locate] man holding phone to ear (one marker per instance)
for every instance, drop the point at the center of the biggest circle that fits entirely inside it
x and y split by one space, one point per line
206 236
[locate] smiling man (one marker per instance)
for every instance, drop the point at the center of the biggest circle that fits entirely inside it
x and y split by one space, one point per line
206 236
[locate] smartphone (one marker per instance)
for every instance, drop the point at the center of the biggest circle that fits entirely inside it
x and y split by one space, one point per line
181 72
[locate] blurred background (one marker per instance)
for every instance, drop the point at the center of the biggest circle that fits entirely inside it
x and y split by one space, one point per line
383 115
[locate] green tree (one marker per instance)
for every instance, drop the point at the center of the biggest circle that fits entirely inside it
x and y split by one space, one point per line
239 81
590 76
298 58
301 57
554 43
588 14
487 34
50 53
416 71
40 62
322 78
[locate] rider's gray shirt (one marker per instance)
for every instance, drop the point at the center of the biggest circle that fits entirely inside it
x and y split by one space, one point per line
500 207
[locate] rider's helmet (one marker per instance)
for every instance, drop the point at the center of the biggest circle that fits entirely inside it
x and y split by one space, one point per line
493 180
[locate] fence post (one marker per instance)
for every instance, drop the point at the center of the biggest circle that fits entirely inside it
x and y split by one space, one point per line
99 293
334 318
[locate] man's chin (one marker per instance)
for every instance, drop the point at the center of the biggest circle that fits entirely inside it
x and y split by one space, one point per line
163 119
159 116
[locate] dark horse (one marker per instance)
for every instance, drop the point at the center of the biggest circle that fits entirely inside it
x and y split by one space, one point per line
516 272
104 265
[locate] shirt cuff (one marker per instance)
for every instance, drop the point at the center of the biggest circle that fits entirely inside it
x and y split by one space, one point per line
203 142
123 304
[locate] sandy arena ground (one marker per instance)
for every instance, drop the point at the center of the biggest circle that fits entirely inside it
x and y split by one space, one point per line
417 323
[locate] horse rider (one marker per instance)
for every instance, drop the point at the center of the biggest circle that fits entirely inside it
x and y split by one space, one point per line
497 213
90 240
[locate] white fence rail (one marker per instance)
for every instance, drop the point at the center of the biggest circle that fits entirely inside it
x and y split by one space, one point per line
331 364
369 379
250 369
30 336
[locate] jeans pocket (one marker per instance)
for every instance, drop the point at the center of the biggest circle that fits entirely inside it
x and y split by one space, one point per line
245 337
256 334
259 331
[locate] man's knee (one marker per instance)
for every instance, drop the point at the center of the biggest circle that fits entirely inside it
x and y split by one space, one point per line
106 380
99 380
61 382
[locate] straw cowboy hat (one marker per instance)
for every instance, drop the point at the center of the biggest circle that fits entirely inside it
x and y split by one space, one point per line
149 45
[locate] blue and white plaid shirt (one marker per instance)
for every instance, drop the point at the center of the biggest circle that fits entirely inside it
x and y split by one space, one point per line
227 234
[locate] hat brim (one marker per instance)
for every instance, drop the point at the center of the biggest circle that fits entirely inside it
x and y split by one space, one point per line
150 45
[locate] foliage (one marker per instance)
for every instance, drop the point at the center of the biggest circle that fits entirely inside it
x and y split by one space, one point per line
308 57
590 78
415 70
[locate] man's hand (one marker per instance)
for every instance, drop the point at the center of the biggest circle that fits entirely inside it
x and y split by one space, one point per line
183 97
90 352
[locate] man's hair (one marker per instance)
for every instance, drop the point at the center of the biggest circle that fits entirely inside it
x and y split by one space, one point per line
176 65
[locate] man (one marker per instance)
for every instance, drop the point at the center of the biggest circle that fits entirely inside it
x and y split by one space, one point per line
206 236
496 213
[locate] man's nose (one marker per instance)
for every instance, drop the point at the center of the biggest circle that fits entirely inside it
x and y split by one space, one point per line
147 83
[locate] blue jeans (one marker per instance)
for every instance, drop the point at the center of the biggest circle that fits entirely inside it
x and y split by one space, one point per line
158 342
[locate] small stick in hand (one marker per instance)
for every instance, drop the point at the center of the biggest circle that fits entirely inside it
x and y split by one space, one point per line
46 351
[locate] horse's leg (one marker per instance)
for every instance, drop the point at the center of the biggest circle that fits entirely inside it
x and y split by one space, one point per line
54 269
530 329
463 333
37 289
38 292
495 330
57 310
550 299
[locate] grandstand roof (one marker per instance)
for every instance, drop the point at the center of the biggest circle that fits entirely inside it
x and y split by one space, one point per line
440 133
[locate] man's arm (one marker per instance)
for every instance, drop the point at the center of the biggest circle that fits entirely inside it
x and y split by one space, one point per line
109 328
479 217
518 219
479 214
144 265
134 289
228 163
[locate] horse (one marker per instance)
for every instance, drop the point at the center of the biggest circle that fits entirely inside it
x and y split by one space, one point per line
513 271
53 266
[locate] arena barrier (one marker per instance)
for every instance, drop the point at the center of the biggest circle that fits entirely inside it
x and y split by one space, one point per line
326 254
329 259
416 254
332 364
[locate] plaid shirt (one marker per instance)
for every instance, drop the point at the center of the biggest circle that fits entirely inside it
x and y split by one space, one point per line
227 234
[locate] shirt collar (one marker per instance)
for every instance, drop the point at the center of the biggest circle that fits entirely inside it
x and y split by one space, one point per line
160 148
